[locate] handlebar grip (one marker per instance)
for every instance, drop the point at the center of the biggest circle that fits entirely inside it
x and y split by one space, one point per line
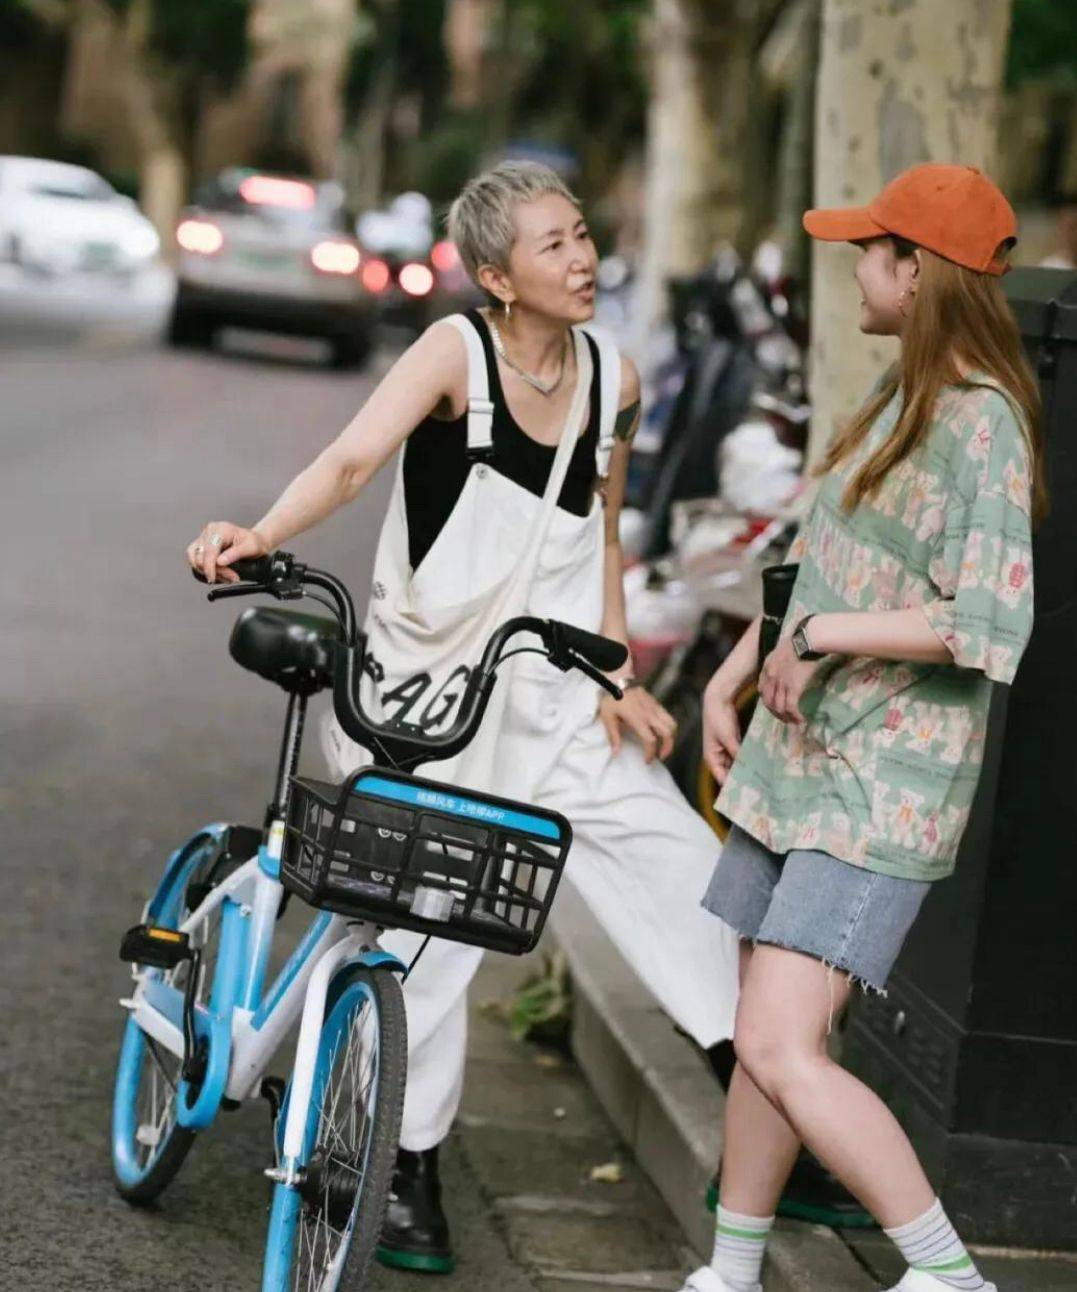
603 652
251 569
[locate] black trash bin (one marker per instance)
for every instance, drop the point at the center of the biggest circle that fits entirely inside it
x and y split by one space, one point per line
975 1049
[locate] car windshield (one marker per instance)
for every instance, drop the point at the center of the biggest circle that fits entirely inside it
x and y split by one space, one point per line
89 188
279 200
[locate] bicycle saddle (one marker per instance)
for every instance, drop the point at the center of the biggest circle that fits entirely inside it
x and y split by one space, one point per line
287 647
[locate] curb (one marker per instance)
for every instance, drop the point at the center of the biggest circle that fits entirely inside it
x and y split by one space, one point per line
656 1090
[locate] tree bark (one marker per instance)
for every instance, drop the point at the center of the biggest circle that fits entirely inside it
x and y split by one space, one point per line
905 82
163 140
701 69
795 151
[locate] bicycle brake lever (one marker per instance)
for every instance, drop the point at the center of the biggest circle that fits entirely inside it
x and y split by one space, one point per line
234 590
603 681
562 656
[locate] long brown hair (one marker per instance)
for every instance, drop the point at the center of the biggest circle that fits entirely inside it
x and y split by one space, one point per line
960 316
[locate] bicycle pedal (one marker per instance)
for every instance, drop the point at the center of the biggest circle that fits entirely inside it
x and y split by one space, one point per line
148 944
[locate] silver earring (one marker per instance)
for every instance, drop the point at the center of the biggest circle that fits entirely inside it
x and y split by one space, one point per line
508 310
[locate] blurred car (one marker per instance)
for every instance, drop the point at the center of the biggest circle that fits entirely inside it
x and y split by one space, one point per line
59 219
273 253
415 278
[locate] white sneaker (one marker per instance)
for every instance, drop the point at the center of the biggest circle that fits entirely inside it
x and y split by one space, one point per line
921 1281
709 1280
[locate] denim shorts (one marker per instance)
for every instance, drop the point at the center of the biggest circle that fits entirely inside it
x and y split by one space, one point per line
850 918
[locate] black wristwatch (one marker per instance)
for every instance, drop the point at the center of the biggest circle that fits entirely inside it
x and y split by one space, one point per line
801 645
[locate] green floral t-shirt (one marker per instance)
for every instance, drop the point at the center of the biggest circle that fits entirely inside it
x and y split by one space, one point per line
883 771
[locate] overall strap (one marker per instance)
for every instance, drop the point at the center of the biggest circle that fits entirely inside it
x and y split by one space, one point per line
609 394
480 411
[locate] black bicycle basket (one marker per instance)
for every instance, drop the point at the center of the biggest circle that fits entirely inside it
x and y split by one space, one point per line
415 854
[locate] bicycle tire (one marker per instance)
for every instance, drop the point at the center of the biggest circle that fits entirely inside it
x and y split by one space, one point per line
295 1213
138 1180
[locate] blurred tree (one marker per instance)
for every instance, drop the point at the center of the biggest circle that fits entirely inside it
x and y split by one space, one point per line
1043 43
580 82
483 74
22 23
181 56
701 138
32 51
899 84
1039 136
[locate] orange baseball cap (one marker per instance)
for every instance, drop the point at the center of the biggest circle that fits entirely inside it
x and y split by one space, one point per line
954 211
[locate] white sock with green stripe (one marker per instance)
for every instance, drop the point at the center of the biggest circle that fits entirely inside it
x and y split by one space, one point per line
739 1244
931 1244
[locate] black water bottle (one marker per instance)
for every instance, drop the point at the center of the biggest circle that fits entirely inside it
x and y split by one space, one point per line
778 583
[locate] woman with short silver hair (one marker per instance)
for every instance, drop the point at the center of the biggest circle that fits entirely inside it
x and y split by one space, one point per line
515 426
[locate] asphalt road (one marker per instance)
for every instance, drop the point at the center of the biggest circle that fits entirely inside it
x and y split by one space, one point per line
125 725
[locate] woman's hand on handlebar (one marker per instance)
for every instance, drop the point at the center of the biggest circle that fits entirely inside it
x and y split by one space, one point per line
221 544
642 715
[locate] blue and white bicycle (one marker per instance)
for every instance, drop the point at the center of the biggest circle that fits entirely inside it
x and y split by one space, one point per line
383 850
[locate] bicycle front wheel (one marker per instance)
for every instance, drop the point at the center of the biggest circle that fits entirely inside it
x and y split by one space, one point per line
323 1234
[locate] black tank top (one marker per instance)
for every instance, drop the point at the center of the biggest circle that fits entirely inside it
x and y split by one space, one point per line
436 464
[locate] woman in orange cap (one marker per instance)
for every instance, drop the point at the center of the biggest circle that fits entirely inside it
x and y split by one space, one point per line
852 787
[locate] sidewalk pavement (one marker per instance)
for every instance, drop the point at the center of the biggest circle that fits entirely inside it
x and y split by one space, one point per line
662 1098
521 1153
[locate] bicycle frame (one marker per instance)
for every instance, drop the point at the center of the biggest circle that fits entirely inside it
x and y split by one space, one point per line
243 1024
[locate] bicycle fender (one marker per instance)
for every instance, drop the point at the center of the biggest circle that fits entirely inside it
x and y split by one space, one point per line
377 959
181 859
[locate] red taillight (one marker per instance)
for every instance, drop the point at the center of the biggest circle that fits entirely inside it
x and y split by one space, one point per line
416 280
376 275
268 190
200 236
335 257
444 256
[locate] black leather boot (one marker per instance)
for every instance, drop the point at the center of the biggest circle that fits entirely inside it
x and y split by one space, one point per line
415 1235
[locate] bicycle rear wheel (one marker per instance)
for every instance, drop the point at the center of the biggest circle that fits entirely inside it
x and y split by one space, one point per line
324 1233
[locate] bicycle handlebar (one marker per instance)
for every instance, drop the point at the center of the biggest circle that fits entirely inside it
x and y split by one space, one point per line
251 569
405 745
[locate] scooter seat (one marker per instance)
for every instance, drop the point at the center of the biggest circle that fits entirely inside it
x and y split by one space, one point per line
287 647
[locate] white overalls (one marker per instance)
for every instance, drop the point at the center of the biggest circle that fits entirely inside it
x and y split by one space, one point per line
641 857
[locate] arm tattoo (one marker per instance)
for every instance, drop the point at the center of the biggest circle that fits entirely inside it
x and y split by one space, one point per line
627 420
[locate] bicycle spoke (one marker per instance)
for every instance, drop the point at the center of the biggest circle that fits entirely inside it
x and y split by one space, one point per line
156 1053
344 1126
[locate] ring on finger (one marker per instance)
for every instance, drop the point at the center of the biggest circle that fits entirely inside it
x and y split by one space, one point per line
198 549
216 539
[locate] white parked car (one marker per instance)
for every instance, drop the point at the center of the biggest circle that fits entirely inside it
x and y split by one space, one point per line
61 219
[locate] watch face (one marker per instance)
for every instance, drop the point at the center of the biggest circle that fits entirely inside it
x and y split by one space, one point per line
800 643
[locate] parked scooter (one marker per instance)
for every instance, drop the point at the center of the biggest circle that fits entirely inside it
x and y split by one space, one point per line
736 336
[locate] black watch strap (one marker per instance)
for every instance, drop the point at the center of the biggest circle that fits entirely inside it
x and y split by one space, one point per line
800 642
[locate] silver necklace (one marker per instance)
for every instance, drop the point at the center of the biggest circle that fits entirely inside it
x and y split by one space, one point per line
543 387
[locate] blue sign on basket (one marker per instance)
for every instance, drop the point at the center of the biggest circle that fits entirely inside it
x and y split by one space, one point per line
457 805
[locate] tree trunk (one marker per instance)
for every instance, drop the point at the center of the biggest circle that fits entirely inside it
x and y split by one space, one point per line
908 82
794 177
701 67
365 155
161 135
